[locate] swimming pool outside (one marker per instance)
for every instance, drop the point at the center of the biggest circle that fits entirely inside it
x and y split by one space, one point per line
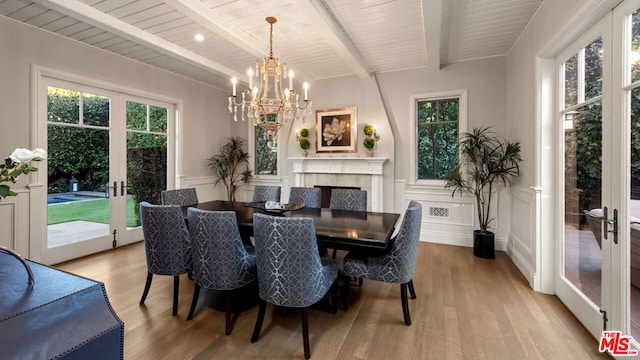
62 198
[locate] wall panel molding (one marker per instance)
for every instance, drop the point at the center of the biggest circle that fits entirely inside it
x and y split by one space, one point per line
521 245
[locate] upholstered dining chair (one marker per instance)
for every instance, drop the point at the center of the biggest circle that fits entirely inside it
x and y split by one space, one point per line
291 272
398 265
348 199
180 197
220 260
167 245
310 197
266 193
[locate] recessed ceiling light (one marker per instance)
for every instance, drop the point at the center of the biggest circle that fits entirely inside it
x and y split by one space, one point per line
199 37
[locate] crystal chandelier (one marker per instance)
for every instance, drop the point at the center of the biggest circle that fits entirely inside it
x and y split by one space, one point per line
269 106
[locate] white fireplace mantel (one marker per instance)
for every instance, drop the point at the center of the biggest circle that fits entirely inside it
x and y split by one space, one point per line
351 165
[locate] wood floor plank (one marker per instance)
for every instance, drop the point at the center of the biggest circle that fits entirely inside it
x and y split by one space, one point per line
466 308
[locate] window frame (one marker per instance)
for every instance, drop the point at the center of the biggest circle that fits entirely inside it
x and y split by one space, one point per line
251 147
461 95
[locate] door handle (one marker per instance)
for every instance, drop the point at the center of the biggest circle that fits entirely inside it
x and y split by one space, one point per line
606 222
115 188
122 187
614 224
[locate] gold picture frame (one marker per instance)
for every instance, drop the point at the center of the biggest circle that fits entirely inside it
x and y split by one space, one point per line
336 130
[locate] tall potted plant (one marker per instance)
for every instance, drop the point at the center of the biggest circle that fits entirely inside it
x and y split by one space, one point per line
485 159
226 165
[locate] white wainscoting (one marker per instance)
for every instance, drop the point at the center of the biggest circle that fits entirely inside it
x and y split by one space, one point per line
205 188
452 220
207 191
14 223
523 234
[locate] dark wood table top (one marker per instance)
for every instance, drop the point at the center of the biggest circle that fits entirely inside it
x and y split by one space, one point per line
339 229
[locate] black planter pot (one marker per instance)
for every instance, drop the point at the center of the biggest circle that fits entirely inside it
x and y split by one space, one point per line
484 244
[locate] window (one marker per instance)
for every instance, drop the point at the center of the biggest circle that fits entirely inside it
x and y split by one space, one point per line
266 152
438 119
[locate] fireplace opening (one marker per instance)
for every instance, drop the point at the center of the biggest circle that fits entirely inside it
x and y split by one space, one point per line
325 193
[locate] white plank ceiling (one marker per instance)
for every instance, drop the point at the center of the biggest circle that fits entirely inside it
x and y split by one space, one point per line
319 39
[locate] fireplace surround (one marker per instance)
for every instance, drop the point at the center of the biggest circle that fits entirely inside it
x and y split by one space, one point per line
347 171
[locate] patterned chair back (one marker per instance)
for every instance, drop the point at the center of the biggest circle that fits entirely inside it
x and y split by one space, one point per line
181 197
404 250
166 239
310 197
290 272
348 199
266 193
220 260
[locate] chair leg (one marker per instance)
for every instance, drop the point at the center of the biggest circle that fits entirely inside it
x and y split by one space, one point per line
412 291
176 290
345 290
334 298
259 320
305 333
146 287
405 304
194 302
227 300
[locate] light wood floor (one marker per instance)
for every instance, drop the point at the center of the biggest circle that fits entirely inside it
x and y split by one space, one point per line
466 308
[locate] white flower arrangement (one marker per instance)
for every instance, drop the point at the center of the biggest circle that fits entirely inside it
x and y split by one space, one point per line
16 164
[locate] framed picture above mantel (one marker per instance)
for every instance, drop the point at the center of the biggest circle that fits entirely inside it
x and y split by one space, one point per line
336 130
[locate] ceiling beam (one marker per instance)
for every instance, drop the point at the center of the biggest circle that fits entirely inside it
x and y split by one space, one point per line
333 33
208 18
432 25
97 18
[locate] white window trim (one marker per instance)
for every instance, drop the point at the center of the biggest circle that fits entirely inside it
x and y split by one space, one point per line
251 147
462 127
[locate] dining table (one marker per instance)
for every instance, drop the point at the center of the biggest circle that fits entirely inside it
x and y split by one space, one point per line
362 231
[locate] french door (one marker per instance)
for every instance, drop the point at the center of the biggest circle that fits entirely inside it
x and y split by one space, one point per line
599 127
108 151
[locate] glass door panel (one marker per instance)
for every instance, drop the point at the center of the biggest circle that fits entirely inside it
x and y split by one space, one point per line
107 153
583 267
147 127
583 200
78 144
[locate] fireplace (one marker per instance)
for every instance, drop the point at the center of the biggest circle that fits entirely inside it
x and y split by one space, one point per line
363 173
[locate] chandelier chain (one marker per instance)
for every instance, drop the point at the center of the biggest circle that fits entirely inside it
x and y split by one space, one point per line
271 41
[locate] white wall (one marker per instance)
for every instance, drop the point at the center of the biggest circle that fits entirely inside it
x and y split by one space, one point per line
389 109
484 82
204 118
530 108
364 95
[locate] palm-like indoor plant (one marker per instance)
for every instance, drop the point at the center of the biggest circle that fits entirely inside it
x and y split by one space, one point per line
226 165
485 160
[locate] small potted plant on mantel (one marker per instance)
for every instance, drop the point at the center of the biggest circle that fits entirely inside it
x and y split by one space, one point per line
303 141
369 141
485 159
